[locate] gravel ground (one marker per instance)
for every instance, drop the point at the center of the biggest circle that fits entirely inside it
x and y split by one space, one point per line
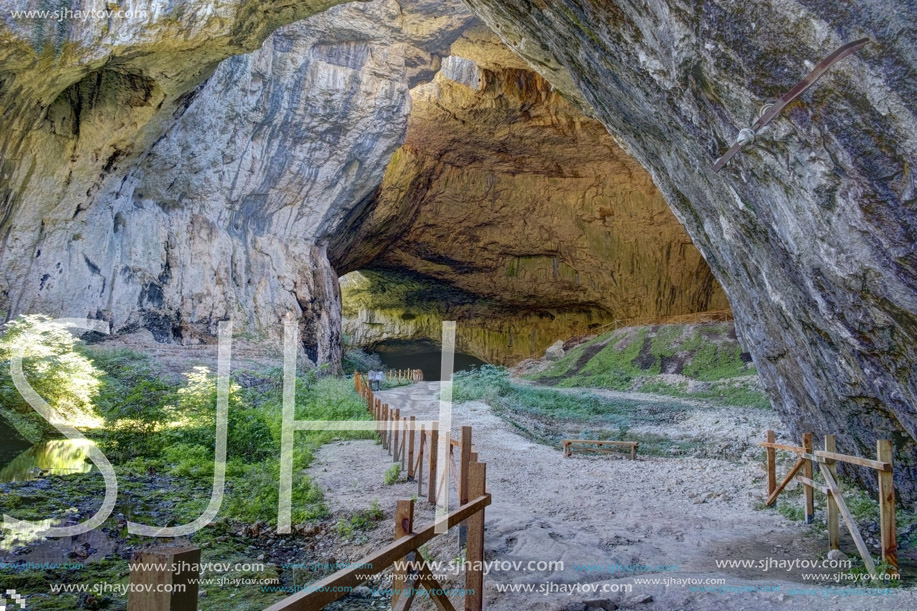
602 511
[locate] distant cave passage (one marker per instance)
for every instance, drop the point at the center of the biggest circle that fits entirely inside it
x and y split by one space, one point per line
421 354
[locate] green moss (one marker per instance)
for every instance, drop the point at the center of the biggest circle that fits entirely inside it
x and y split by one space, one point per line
631 358
716 362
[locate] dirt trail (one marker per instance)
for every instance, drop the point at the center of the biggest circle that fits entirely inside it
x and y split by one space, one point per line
601 512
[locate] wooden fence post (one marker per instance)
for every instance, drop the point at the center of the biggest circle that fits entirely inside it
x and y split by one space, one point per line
887 507
404 526
434 446
186 562
474 552
385 426
834 538
391 431
771 464
396 450
404 442
423 441
378 416
807 472
411 436
464 461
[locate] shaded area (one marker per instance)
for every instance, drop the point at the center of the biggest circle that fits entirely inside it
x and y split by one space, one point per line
810 231
12 444
423 355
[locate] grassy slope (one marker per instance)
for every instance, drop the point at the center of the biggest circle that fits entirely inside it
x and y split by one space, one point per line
707 357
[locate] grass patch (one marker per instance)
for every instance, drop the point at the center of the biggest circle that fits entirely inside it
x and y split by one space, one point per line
360 521
392 474
729 394
547 415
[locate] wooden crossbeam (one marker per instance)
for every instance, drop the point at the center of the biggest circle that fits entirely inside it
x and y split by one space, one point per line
434 589
786 480
813 484
848 519
327 590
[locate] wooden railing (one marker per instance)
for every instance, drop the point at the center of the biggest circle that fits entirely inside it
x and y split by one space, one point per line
408 442
827 460
404 375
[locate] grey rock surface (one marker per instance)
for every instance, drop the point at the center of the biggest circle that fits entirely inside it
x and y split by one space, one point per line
148 186
555 351
811 231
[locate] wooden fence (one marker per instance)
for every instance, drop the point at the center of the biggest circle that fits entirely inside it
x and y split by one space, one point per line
409 442
827 460
403 375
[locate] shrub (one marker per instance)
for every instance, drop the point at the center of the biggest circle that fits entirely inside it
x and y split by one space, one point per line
360 360
66 379
392 474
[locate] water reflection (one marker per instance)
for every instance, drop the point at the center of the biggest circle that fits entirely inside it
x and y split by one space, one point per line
57 456
423 355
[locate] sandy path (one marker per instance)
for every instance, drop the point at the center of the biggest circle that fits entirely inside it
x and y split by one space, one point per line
604 511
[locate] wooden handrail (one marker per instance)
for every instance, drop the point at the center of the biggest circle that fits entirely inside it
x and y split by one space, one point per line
322 592
855 460
821 455
782 446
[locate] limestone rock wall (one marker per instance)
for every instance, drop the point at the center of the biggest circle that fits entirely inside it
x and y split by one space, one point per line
812 230
152 185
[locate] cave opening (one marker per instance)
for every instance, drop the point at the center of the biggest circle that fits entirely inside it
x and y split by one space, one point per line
546 181
514 213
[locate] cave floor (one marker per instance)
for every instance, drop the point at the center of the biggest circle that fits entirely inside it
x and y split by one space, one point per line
602 516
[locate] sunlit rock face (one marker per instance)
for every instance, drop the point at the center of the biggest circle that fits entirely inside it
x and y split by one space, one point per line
152 185
382 306
507 192
811 230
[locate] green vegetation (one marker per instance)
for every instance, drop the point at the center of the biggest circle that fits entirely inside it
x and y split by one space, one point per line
709 361
360 360
728 392
548 415
64 377
159 433
392 474
360 521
